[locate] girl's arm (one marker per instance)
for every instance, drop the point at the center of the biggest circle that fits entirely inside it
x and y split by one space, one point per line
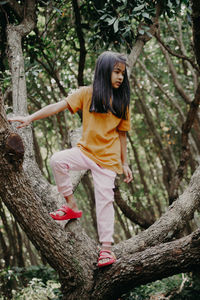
126 169
44 112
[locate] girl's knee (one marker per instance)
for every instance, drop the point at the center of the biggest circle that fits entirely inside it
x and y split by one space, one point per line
54 160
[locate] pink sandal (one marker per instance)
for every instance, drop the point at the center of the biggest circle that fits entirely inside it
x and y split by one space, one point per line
69 214
106 254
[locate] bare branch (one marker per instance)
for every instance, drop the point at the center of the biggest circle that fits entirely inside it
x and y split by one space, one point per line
176 81
195 66
185 155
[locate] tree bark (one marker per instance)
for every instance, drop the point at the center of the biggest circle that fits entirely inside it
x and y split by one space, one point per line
147 266
56 245
129 212
170 223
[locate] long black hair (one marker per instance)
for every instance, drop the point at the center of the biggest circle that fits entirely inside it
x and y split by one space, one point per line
103 91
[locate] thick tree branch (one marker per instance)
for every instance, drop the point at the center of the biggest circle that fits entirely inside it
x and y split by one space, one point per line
170 223
154 263
129 212
28 209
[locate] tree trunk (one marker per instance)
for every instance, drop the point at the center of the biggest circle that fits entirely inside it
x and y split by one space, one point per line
56 245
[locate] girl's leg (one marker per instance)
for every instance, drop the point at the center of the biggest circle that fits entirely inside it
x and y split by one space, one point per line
61 162
71 202
104 196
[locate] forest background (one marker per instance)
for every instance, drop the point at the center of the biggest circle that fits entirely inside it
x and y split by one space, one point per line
48 49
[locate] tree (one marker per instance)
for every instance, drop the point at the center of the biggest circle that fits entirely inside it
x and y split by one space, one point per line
148 256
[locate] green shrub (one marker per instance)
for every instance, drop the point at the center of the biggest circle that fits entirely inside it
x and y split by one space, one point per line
163 286
36 288
34 278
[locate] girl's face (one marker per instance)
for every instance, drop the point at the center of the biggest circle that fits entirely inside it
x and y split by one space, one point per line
117 75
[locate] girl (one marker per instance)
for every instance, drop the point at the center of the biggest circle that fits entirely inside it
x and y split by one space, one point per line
102 148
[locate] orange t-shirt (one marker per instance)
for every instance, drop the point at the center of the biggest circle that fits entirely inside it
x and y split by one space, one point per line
100 138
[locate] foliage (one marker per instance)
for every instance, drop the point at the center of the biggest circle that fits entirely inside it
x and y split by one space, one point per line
177 287
191 289
23 283
29 281
118 20
161 288
37 287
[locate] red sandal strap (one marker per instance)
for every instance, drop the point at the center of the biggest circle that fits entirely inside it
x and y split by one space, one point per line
105 251
108 254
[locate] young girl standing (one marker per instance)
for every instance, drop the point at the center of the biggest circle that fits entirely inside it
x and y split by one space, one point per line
102 148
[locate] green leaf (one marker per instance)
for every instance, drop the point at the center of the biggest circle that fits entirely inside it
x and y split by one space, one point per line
169 4
146 15
3 2
141 31
138 8
116 26
124 18
110 21
103 17
149 34
58 10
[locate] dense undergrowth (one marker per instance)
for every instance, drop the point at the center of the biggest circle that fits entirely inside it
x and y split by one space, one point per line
28 283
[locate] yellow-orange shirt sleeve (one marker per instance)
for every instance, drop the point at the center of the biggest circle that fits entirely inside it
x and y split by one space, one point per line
125 125
75 100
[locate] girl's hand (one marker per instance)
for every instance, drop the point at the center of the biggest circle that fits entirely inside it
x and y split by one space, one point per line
128 173
25 121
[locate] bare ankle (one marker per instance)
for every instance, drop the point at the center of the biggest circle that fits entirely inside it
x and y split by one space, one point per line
71 202
106 246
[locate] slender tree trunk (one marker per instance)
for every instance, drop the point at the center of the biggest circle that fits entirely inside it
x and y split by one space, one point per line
196 28
152 217
18 246
164 153
82 52
185 154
